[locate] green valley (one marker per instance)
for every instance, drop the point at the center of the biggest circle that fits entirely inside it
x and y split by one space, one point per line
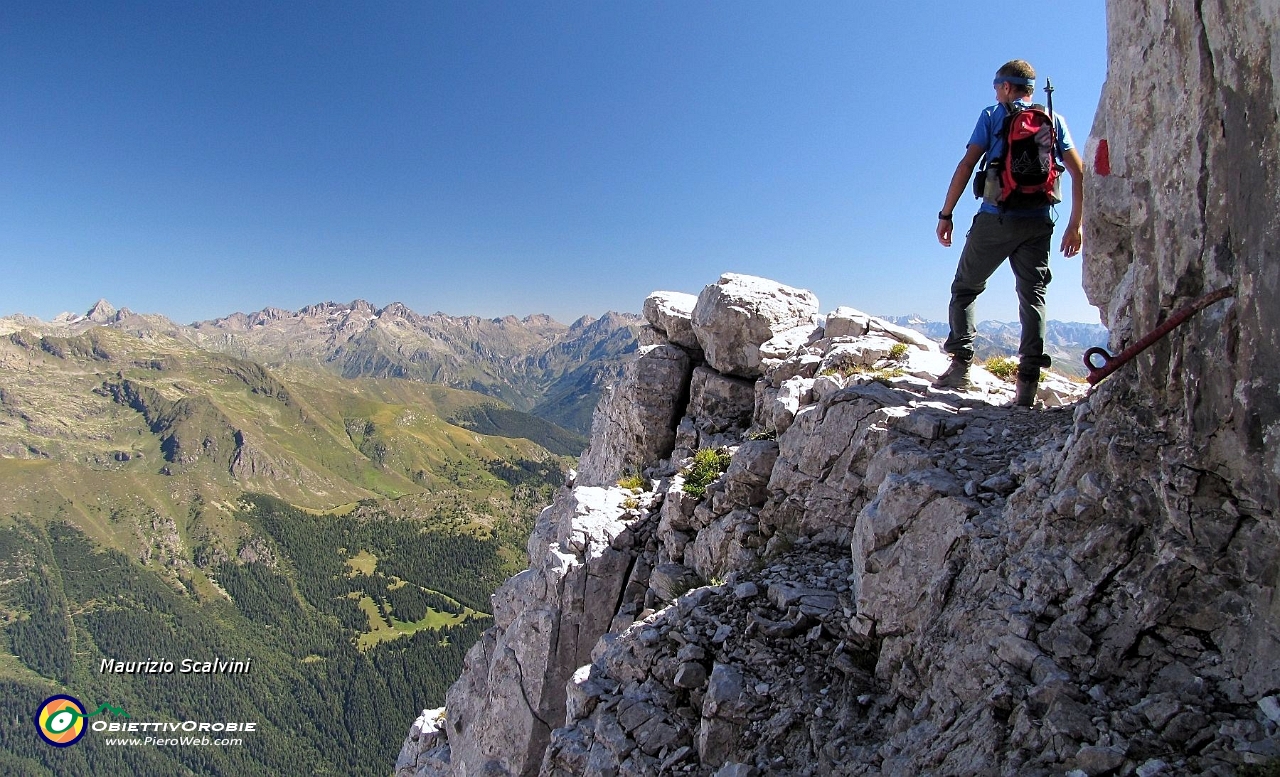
338 536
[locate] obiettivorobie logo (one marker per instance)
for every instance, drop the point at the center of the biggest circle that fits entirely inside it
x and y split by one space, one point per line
61 719
61 723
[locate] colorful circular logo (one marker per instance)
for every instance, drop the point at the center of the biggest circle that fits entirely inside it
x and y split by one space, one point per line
60 720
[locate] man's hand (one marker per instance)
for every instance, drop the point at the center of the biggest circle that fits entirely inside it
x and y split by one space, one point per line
959 181
1072 239
944 232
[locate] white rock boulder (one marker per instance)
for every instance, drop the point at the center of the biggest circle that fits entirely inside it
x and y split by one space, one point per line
672 313
737 314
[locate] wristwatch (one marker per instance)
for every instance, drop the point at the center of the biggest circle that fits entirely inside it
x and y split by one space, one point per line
944 216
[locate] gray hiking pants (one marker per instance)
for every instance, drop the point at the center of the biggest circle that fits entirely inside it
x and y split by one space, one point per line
992 239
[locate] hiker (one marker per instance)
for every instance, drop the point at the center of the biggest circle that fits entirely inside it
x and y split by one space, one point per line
1014 221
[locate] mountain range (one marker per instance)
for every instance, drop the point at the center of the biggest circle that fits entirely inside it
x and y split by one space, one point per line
269 488
537 365
1065 341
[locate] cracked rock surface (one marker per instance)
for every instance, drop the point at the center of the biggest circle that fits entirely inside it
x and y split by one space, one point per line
886 579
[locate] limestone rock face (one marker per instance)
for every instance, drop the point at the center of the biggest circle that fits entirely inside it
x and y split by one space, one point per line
671 312
426 751
847 322
547 620
719 402
891 579
634 424
739 313
1180 204
886 579
1182 182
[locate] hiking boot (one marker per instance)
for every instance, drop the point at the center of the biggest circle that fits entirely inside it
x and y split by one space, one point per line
956 376
1025 392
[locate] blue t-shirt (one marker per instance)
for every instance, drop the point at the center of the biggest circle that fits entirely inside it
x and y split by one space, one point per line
987 135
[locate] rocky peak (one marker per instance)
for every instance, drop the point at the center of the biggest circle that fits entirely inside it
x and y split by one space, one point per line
760 310
102 312
582 323
319 309
267 315
397 310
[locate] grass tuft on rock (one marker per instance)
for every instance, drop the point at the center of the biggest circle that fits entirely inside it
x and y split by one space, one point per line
708 464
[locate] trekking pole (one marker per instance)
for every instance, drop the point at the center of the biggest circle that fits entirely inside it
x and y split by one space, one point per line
1053 127
1053 123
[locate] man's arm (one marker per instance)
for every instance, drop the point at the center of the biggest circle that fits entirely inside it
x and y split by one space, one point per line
1074 237
959 182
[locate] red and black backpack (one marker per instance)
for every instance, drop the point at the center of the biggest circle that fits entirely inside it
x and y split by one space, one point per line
1029 168
1027 173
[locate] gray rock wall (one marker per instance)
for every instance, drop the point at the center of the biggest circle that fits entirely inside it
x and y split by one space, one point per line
1189 121
1189 116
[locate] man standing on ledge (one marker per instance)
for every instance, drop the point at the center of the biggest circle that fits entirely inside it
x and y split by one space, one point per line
1019 231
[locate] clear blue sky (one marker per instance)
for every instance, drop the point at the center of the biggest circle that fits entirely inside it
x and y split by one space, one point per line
194 159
